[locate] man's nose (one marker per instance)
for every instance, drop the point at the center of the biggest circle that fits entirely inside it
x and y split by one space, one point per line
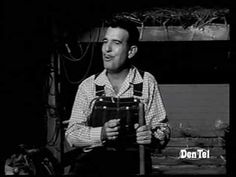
107 47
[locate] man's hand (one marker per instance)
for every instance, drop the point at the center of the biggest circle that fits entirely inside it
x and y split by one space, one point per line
110 130
143 134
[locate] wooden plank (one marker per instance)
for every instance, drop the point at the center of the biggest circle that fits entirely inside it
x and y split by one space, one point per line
170 161
178 33
196 142
170 33
181 129
174 152
188 170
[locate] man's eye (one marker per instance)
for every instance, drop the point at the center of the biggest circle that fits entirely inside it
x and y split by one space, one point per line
104 41
117 42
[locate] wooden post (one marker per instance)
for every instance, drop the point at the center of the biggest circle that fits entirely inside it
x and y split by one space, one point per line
55 132
141 146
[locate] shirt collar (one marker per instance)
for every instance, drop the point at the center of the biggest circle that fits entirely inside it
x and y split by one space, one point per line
133 77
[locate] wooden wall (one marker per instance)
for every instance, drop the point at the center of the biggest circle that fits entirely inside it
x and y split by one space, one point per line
198 115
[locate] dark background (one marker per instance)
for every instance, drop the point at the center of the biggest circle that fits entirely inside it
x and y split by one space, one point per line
34 30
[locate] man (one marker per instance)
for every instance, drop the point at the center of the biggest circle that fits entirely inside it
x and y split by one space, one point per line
117 80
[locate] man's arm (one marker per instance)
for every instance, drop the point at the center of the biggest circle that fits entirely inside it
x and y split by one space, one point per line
78 133
155 115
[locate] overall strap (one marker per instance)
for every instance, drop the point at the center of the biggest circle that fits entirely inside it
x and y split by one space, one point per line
138 88
99 89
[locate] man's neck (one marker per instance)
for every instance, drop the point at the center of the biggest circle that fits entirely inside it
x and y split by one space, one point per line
118 76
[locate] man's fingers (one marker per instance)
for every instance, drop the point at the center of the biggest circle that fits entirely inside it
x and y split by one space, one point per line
111 129
112 133
143 141
112 137
113 123
144 133
115 129
143 128
136 125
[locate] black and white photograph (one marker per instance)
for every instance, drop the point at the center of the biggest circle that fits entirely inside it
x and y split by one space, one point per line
117 88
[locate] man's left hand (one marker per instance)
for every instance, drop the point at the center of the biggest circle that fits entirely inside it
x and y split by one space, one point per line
143 134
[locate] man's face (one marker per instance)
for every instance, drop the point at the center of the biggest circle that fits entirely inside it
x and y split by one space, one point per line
115 49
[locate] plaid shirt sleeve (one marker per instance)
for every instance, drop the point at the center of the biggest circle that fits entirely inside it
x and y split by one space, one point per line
77 133
155 113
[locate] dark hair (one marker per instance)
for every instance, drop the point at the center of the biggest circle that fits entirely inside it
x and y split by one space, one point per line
128 26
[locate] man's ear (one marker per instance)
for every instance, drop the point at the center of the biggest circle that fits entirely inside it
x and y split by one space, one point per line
132 51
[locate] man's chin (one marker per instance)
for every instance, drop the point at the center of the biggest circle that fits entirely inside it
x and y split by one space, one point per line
109 68
114 70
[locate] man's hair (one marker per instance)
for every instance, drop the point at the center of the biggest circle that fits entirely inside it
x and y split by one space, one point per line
127 25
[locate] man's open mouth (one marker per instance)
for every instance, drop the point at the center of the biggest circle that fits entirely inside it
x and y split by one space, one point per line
107 57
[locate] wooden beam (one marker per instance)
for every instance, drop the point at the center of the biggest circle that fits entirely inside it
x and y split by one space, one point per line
170 33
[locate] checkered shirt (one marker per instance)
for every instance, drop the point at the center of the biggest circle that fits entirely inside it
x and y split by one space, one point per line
78 134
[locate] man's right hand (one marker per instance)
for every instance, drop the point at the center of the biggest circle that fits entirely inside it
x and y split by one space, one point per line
110 130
